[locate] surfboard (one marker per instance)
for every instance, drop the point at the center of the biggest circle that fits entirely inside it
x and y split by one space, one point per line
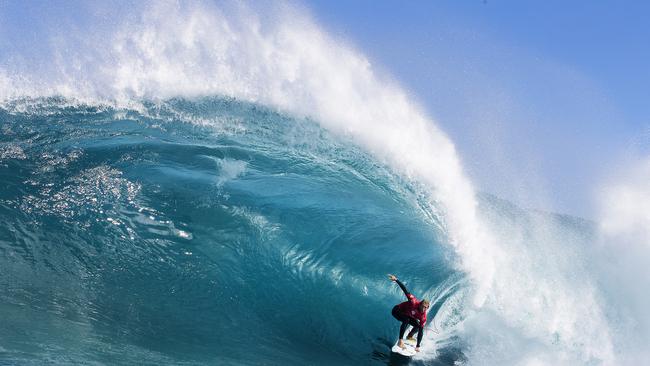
408 351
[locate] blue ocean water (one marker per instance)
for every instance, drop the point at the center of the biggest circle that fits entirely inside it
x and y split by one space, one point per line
207 182
147 237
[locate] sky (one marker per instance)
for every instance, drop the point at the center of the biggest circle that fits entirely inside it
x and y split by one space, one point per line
544 100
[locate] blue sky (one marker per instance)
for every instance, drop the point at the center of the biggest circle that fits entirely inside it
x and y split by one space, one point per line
543 99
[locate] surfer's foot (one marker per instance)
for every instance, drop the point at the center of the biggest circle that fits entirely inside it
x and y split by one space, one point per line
401 345
410 338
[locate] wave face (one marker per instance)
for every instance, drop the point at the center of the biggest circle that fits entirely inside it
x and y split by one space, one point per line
146 237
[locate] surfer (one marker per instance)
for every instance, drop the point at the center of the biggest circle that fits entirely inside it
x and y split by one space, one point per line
411 312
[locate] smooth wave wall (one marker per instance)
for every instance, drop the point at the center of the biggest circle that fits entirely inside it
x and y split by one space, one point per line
258 238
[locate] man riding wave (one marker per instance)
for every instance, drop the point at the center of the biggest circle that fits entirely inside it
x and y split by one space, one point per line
411 312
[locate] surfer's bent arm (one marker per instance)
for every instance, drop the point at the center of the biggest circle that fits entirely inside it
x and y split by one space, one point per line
420 334
401 285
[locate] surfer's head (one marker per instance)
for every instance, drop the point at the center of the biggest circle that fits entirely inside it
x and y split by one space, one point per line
424 305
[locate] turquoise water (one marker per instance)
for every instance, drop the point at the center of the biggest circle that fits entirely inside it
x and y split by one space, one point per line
216 183
148 237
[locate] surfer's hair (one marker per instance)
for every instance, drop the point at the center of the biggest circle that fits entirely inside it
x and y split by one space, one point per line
425 302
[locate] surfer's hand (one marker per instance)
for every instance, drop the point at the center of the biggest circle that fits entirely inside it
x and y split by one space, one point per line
417 349
392 277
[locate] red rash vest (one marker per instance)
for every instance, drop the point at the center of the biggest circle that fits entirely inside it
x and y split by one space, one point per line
411 308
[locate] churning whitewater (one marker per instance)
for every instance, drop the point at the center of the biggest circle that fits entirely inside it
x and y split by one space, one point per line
188 184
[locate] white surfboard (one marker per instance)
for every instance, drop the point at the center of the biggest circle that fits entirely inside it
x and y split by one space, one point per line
409 349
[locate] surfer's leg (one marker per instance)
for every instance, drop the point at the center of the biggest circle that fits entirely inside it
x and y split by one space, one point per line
405 322
412 333
415 326
402 329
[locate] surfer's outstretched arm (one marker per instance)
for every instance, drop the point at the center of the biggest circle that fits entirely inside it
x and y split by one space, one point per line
401 285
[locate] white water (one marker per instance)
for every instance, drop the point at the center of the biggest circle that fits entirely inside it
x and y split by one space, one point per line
622 257
535 299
